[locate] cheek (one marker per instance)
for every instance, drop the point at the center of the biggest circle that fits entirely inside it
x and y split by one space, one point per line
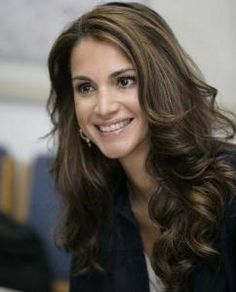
142 117
138 110
78 112
82 112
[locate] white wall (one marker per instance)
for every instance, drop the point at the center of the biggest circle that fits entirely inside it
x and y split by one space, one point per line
205 28
22 124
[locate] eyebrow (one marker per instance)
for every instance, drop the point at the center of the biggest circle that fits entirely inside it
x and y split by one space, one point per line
113 75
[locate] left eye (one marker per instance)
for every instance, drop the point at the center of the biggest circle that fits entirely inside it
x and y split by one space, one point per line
126 81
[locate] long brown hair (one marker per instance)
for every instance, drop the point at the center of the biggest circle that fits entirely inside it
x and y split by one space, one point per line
184 124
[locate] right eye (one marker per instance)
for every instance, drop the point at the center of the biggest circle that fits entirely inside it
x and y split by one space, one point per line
84 88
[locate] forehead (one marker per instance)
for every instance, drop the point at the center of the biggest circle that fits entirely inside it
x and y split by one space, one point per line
92 54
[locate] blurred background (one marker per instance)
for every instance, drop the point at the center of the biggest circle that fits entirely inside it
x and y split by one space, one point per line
206 29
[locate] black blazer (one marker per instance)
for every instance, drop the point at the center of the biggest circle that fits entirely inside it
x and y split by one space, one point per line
124 262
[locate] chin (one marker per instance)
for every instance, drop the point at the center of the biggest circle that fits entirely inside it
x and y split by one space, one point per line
114 154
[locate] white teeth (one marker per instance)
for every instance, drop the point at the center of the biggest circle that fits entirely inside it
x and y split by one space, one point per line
114 127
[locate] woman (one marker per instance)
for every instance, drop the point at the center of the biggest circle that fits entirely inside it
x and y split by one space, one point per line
143 160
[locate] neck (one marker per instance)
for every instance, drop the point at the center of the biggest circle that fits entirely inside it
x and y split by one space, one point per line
141 183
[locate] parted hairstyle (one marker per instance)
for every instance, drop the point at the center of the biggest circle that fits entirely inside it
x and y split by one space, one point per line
187 131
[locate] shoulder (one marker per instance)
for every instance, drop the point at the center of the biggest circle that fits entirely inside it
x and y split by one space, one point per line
230 219
228 155
228 243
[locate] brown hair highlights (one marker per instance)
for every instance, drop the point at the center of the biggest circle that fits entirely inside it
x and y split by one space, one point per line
183 119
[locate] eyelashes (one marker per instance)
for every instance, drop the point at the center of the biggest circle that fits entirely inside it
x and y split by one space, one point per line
84 88
122 82
126 81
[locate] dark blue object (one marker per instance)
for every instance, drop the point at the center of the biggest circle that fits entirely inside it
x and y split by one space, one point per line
44 213
3 151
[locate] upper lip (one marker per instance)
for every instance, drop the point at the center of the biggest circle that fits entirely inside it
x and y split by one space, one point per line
109 123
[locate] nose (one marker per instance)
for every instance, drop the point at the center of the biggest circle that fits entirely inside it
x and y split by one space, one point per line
107 104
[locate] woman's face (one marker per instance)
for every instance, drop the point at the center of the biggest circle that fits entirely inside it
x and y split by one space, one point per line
106 99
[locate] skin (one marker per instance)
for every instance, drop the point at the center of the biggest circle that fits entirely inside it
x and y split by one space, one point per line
108 111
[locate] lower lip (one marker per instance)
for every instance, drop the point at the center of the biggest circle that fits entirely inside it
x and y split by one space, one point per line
115 132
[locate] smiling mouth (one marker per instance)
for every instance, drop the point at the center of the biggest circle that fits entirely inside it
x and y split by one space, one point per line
114 127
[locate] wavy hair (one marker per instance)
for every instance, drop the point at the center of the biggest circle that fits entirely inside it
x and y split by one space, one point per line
184 124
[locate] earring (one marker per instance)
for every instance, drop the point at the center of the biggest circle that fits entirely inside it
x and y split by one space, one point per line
84 137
